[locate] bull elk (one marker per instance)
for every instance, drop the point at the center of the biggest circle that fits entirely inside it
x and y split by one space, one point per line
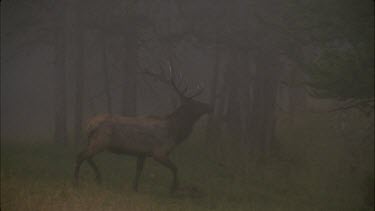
144 137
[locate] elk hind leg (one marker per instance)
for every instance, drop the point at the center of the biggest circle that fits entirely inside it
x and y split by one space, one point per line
86 154
82 156
140 163
97 143
96 170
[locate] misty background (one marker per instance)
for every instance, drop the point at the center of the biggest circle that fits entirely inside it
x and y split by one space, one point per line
29 64
291 83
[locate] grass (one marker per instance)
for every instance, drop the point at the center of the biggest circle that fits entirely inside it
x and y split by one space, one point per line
311 171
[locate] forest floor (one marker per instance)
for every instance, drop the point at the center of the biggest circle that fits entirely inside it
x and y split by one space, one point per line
38 176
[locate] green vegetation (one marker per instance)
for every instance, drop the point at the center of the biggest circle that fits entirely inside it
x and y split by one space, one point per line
317 167
344 67
343 75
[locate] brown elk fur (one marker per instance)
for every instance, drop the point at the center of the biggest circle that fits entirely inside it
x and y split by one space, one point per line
142 137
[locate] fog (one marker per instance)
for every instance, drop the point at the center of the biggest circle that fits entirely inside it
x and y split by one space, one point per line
289 86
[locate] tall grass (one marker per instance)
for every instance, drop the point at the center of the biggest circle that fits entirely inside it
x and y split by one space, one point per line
316 166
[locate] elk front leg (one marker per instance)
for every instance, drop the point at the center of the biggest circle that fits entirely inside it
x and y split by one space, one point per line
164 160
96 170
140 162
82 156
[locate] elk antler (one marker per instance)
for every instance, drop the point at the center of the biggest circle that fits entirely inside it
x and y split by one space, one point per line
175 81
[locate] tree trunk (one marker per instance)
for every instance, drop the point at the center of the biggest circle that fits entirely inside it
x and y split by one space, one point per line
79 73
297 93
212 124
233 89
237 80
60 131
262 116
107 83
296 90
129 99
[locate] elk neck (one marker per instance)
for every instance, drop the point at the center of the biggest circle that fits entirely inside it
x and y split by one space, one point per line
181 121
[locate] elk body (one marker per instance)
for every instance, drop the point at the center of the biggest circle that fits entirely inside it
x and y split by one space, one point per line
142 137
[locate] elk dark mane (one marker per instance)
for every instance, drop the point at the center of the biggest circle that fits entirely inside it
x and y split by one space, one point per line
181 121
